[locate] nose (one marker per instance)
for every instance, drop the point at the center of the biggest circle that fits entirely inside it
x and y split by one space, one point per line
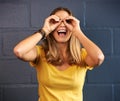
62 23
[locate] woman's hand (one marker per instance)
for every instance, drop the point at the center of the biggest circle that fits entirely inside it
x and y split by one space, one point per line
72 24
95 56
51 23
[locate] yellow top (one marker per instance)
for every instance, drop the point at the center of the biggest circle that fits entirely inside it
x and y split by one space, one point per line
56 85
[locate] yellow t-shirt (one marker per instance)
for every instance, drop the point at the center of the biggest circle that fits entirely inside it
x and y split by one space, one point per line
56 85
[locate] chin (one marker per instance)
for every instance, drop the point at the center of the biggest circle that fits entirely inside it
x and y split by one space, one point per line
61 41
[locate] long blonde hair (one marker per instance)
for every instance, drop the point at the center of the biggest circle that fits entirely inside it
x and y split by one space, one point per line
52 52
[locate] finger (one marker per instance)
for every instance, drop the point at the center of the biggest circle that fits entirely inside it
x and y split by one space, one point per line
69 20
68 25
54 19
55 25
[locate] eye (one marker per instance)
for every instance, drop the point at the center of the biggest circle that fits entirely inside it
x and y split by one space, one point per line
69 21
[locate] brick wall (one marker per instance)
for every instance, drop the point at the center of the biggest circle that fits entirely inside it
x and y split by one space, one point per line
99 21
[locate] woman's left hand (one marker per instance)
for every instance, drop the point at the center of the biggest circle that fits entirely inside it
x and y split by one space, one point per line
72 24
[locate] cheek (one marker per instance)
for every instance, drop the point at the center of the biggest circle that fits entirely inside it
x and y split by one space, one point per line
70 27
55 34
69 33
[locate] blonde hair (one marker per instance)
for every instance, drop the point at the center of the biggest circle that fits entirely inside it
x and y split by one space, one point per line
52 52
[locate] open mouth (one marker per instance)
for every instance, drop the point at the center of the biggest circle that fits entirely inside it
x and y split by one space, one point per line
62 32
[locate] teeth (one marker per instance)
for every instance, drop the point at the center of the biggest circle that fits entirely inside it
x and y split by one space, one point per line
62 31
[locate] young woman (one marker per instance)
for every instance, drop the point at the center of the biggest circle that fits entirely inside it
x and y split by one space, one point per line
63 57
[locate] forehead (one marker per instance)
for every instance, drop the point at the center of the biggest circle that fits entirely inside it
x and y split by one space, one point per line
62 14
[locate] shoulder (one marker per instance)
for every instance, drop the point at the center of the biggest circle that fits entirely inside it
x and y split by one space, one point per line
83 53
40 53
83 57
39 49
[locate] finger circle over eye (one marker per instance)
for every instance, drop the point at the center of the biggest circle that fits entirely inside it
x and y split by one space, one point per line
68 21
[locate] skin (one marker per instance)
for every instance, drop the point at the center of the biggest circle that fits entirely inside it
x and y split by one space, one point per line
54 23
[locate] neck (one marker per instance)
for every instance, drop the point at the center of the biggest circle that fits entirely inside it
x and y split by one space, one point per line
63 47
63 50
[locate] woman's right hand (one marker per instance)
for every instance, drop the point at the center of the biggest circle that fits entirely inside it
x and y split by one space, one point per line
51 24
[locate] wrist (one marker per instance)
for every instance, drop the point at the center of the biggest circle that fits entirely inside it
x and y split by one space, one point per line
46 30
77 33
42 32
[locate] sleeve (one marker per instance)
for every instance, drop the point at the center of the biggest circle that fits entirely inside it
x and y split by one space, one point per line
34 63
83 56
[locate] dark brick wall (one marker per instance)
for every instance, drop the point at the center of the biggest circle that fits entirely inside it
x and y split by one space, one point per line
99 21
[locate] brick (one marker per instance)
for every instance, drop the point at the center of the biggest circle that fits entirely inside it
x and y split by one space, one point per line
38 15
108 72
103 1
0 94
20 93
14 71
13 15
102 14
97 93
34 76
0 43
13 1
11 38
116 42
99 36
117 92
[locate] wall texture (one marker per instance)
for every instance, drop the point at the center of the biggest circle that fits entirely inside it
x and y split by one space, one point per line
100 21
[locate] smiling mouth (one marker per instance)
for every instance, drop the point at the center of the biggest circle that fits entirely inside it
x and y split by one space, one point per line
62 32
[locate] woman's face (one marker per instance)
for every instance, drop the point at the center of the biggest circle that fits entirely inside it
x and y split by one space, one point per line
61 33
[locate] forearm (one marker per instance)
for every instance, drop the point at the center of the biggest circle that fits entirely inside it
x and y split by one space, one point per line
27 44
93 51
